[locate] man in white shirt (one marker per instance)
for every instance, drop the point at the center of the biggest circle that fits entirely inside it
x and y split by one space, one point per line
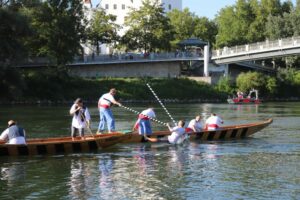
177 136
143 123
214 122
13 134
106 116
81 118
195 125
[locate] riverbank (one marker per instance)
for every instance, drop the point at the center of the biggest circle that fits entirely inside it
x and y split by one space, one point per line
52 89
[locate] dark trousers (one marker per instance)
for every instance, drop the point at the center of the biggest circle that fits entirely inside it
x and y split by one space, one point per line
74 131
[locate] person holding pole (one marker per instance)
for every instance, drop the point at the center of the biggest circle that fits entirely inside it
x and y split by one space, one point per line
81 118
143 123
106 116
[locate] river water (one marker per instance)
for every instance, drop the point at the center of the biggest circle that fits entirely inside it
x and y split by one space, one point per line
265 166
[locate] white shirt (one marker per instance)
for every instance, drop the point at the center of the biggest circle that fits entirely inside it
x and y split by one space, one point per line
149 113
110 98
76 121
177 132
17 140
194 123
214 120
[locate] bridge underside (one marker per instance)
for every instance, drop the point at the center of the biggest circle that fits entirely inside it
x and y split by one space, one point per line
255 56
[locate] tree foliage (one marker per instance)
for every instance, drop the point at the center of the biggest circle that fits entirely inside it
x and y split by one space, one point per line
186 25
250 80
102 29
58 28
148 28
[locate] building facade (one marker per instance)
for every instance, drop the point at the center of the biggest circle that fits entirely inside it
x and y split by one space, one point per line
121 8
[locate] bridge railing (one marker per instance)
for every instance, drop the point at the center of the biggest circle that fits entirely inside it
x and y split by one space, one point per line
257 47
135 57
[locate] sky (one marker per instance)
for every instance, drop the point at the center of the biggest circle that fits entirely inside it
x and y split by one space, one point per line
202 8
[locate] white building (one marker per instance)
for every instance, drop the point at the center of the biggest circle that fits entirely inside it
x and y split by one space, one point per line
121 8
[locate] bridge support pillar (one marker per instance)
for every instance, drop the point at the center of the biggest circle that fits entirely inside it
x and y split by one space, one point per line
206 60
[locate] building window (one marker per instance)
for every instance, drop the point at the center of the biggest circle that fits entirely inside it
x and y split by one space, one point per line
115 6
170 7
123 6
106 6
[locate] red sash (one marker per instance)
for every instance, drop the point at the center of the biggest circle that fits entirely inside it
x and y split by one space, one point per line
141 116
213 126
188 130
103 106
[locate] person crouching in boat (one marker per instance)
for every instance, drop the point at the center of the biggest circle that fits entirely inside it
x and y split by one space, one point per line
106 116
143 124
13 134
177 136
81 118
195 125
213 122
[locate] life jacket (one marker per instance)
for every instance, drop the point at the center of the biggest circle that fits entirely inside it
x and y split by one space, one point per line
15 131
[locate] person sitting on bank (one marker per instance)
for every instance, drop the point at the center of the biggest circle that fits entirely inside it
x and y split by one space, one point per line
14 134
213 122
81 118
177 136
143 123
106 116
195 125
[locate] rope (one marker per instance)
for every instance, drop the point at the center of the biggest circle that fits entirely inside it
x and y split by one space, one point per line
136 112
162 105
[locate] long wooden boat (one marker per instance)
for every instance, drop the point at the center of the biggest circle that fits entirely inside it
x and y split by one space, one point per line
62 145
225 133
65 145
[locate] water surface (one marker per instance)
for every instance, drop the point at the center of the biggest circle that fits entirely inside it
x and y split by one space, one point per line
265 166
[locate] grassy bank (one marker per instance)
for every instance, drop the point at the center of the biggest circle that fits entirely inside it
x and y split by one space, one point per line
50 87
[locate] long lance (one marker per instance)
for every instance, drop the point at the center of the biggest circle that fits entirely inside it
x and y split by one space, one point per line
162 105
139 113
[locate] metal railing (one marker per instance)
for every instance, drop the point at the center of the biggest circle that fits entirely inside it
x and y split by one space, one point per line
258 47
127 57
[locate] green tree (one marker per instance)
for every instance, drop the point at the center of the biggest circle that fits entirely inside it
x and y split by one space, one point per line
148 28
186 25
14 29
183 23
225 84
59 30
205 29
102 29
271 85
250 80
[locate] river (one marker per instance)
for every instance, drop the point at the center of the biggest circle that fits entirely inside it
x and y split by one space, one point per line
265 166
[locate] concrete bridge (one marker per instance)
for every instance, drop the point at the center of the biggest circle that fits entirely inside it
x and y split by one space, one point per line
168 64
257 51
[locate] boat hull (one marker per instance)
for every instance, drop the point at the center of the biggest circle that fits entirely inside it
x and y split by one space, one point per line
62 145
226 133
243 101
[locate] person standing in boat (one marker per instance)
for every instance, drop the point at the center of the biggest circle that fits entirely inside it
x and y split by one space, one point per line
14 134
214 122
177 134
143 123
81 118
195 125
106 116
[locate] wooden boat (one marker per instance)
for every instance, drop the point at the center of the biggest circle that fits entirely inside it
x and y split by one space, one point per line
225 133
65 145
62 145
